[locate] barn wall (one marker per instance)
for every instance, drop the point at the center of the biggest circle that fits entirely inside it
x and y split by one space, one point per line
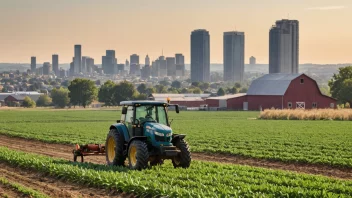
212 102
236 103
264 102
188 103
307 92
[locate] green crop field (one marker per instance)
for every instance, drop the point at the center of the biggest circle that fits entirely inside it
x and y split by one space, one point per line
200 180
317 142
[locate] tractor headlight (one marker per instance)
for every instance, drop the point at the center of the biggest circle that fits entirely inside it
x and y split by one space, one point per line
168 134
158 133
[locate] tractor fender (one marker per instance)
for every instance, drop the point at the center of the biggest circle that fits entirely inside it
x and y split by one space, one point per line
142 138
122 128
176 137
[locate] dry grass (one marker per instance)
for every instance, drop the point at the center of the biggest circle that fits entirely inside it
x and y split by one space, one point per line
299 114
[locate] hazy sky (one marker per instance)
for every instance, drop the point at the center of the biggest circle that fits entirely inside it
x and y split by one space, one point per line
44 27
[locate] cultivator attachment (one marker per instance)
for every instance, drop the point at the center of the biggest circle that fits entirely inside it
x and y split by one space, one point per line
87 150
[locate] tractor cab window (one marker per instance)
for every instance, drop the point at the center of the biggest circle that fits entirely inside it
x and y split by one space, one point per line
129 115
162 115
151 114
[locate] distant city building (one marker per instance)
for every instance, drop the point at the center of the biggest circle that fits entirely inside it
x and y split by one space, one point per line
47 69
55 61
200 56
134 65
109 62
155 69
72 67
180 65
89 65
162 66
127 65
171 66
284 47
234 56
146 72
252 60
121 68
78 59
62 73
84 64
33 64
147 60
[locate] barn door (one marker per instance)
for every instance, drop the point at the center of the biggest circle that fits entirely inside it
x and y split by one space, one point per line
245 106
300 105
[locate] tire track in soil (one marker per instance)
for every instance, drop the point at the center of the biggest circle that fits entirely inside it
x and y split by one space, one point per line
65 152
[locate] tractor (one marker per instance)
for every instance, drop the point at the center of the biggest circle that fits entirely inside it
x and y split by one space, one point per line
143 135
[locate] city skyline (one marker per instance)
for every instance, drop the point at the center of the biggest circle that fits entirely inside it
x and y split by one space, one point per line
66 24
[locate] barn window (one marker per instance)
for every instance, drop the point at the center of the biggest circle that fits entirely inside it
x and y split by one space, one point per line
302 81
289 105
332 105
314 105
300 105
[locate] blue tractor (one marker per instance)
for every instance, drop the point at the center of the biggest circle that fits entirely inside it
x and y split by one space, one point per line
143 135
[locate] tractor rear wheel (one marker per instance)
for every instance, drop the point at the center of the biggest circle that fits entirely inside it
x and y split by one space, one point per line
114 148
184 158
138 155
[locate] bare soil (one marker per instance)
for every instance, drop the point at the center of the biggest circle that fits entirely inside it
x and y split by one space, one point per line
65 152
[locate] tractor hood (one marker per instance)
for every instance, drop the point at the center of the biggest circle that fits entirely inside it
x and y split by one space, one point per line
157 127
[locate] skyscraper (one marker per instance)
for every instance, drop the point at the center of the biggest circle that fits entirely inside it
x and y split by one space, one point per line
33 64
284 47
77 63
233 56
171 66
134 65
252 60
55 61
147 60
109 62
47 68
180 65
84 64
162 66
200 56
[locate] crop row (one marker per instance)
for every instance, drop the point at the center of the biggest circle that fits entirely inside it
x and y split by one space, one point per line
22 189
315 142
200 180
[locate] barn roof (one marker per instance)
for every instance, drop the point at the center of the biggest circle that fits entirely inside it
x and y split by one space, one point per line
271 84
226 97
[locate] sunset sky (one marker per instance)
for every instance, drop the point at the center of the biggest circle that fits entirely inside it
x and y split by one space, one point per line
44 27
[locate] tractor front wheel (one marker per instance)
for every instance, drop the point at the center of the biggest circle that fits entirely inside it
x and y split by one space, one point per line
114 148
138 155
184 158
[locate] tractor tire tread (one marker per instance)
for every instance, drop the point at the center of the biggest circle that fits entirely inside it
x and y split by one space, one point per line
185 156
142 155
120 158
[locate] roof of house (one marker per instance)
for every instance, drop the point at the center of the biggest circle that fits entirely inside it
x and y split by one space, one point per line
226 97
17 97
166 95
271 84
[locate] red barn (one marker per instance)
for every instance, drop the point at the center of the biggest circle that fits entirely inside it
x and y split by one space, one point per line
280 91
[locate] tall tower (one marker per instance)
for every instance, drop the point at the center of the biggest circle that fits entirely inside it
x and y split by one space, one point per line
200 56
233 56
109 62
180 65
134 65
33 64
147 60
77 64
252 60
55 61
47 68
284 47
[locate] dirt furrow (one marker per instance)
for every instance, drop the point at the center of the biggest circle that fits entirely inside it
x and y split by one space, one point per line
7 191
48 185
65 152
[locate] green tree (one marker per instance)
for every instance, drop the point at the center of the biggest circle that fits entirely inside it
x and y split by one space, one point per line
196 84
142 88
106 93
197 90
176 84
345 93
140 97
82 92
243 90
124 91
44 101
233 90
28 102
221 92
60 97
160 89
237 85
338 82
164 83
204 86
150 90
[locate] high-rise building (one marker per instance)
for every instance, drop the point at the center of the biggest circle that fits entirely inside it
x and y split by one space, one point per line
109 62
89 65
121 69
284 47
62 73
155 68
77 59
180 65
200 56
234 56
55 61
162 66
146 72
84 64
47 69
252 60
134 65
147 60
171 66
33 64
